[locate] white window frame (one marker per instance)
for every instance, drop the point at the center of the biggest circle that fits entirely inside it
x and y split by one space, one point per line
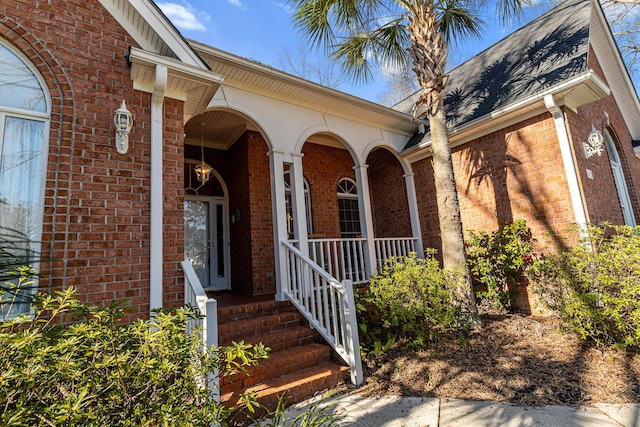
45 118
620 180
348 192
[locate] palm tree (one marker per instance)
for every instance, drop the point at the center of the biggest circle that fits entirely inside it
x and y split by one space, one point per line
364 34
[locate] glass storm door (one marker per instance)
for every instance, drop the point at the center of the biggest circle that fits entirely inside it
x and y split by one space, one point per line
206 240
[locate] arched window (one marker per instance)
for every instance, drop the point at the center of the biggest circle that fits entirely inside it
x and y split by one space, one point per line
621 184
24 127
289 205
348 209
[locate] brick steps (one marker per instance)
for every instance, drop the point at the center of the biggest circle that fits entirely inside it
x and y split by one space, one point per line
299 366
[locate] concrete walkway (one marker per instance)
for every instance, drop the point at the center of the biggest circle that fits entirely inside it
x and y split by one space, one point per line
434 412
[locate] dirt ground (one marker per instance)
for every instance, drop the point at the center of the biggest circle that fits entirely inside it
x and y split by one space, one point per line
522 359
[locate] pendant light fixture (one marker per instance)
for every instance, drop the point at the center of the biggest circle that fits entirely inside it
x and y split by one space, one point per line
202 169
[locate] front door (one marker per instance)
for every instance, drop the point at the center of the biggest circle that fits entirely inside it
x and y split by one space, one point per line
206 240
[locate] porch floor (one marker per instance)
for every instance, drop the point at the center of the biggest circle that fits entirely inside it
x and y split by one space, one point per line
230 299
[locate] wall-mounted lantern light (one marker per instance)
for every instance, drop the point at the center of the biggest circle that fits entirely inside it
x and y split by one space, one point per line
123 120
202 169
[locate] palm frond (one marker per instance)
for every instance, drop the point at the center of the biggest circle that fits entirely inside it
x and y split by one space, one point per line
459 20
509 9
355 55
390 43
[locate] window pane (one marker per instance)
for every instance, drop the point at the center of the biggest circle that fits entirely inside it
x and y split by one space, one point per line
21 169
19 87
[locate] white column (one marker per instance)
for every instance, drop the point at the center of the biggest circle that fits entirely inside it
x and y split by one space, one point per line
156 251
567 159
298 200
366 217
414 213
279 210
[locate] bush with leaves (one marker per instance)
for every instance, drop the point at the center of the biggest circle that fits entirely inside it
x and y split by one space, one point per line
499 260
595 286
410 298
70 364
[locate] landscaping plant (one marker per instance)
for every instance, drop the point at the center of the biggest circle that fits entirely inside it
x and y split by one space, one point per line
70 364
595 286
410 298
499 260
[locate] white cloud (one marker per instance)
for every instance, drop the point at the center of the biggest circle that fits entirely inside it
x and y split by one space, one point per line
184 16
236 3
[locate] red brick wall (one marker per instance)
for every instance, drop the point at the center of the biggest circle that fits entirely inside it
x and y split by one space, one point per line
96 223
260 214
241 259
513 173
324 167
388 193
509 174
173 205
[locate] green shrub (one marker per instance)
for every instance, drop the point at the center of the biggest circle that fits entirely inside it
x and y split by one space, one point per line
411 298
499 260
595 287
70 364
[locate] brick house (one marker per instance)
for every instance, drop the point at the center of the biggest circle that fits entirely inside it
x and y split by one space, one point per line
309 187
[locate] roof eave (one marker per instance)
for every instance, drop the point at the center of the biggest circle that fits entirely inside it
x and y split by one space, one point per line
189 83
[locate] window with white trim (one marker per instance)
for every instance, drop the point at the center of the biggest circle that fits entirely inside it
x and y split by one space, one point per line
348 209
621 183
24 126
288 200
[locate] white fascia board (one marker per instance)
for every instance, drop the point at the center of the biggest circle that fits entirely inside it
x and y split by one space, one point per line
167 32
465 133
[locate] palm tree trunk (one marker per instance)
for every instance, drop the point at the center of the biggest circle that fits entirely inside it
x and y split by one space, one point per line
454 255
428 52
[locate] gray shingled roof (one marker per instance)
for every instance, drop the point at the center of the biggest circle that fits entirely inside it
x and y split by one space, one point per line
549 50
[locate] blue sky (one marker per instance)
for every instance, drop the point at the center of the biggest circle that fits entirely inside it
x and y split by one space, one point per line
261 29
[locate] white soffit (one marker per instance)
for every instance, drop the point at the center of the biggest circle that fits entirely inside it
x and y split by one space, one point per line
261 79
615 71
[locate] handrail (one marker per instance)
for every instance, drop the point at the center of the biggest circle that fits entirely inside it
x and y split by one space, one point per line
327 304
207 326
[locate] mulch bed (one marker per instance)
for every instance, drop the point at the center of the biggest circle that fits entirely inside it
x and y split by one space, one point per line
521 359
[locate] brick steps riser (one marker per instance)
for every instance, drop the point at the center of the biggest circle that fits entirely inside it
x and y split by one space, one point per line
243 329
248 311
285 339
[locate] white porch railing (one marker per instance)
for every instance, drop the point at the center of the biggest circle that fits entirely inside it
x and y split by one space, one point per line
393 247
327 304
341 258
195 295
